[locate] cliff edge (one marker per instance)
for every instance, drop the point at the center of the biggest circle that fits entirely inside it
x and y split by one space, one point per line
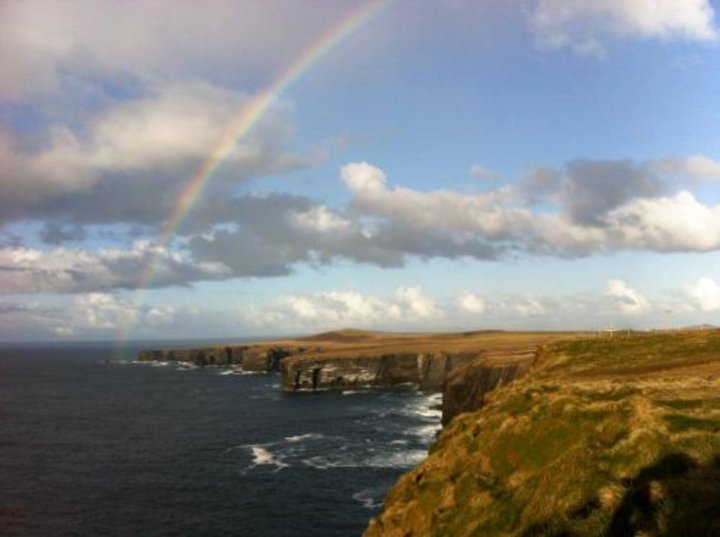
349 358
613 437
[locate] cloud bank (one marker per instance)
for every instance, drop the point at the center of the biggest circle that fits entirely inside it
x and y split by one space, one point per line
619 305
587 207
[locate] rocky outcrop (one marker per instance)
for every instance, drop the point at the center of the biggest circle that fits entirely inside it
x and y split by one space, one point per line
465 388
352 358
316 373
256 358
263 358
342 361
214 356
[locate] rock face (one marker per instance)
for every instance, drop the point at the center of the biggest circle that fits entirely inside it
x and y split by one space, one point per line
217 356
354 358
465 388
256 358
317 373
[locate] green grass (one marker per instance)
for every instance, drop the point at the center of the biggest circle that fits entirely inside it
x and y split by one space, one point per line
605 437
636 351
680 423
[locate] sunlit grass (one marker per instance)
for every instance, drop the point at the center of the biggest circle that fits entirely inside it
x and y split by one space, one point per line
605 437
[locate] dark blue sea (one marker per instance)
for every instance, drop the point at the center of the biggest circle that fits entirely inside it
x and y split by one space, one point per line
89 447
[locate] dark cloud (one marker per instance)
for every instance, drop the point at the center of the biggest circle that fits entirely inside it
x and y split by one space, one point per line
595 187
542 184
54 233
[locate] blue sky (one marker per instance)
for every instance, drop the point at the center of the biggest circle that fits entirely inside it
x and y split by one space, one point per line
522 164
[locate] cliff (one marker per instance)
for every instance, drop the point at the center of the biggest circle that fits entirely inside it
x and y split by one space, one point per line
323 372
612 437
216 356
353 358
465 389
255 357
348 359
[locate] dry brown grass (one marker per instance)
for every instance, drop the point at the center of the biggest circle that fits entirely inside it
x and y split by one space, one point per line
605 437
358 343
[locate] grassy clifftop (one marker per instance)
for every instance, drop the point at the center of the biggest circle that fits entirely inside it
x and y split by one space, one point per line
613 437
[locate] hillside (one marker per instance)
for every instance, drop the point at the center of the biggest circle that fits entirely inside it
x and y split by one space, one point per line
611 437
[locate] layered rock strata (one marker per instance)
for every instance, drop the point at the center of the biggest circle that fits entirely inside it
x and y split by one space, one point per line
424 370
465 388
255 358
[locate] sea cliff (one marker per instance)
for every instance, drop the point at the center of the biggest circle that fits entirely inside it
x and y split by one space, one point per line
466 388
556 434
322 372
601 437
352 359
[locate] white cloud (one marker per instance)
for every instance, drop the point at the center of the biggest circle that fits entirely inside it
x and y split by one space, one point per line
470 302
581 25
705 294
161 139
65 270
91 315
594 207
320 219
335 309
604 206
530 307
100 312
84 315
418 303
675 223
626 300
441 209
45 44
176 123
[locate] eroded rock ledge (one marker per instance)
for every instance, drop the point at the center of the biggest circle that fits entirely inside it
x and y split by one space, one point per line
465 388
467 364
424 370
255 358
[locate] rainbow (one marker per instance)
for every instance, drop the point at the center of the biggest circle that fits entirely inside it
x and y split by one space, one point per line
247 117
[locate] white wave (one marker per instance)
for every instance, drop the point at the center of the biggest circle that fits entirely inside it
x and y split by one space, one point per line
262 457
433 413
426 431
425 408
399 459
399 442
367 499
306 436
350 392
160 364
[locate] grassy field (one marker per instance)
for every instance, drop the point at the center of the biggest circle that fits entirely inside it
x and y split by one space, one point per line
606 436
351 342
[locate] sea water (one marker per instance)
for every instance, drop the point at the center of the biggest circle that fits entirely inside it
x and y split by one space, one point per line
94 446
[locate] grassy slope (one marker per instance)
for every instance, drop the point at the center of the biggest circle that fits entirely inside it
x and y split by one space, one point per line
606 437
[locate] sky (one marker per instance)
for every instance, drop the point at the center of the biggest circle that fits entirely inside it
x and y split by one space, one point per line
182 169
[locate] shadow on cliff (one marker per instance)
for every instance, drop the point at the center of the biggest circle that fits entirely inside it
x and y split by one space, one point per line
674 497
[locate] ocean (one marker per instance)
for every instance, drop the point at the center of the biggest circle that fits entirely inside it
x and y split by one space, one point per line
95 448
